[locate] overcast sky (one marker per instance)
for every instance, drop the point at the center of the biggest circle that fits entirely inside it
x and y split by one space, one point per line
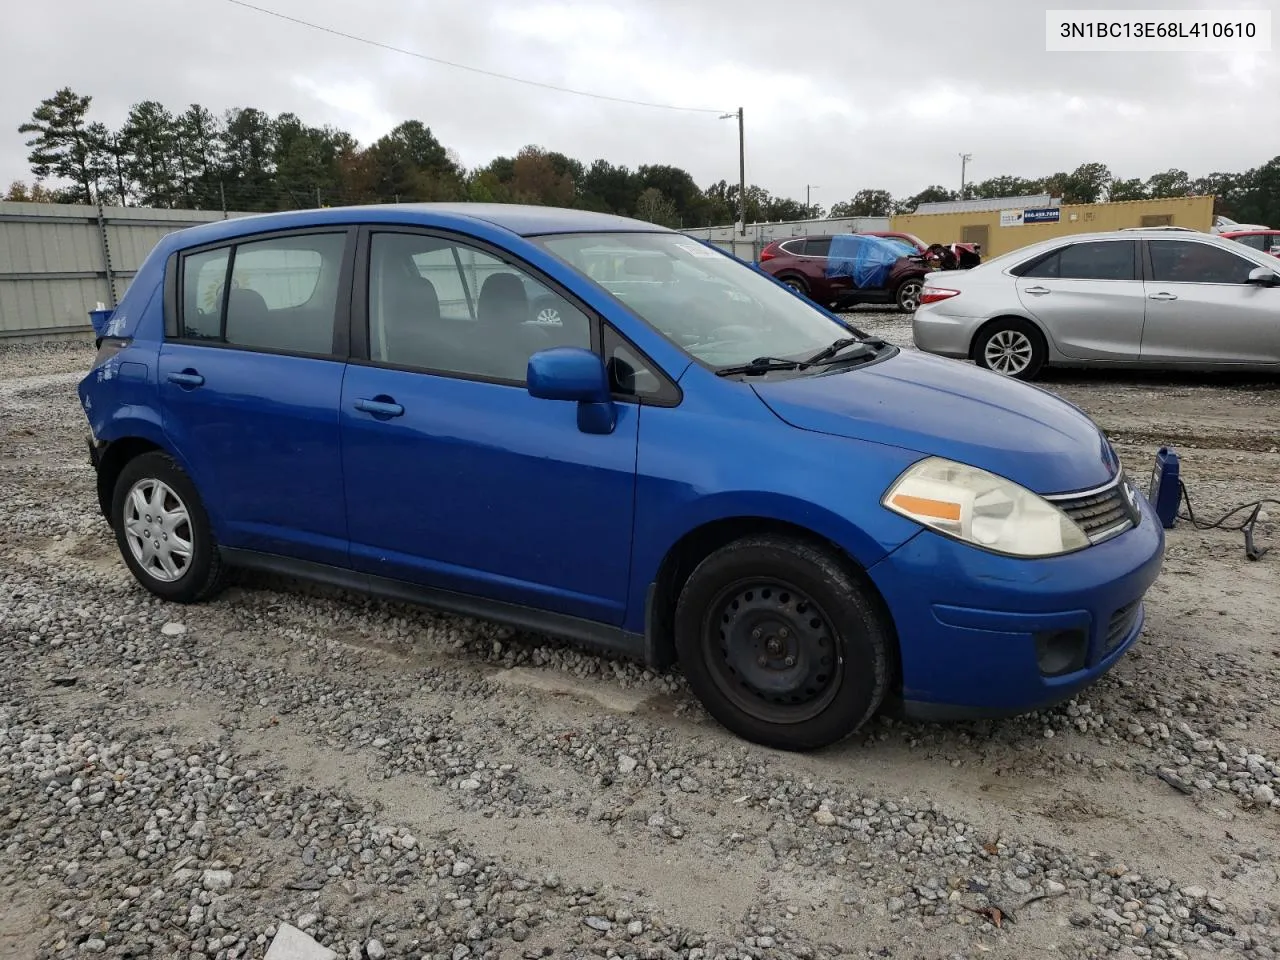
842 94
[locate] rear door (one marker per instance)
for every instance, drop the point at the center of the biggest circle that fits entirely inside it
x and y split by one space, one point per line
817 254
1202 308
250 381
1088 295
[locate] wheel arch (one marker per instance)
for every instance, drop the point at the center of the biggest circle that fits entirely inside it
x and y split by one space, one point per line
129 440
700 542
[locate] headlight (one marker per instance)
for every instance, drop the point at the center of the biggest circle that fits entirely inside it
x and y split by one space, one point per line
983 509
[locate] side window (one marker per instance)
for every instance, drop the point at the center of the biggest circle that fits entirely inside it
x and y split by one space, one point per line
203 277
282 295
1186 261
1259 241
817 247
1098 260
628 373
1090 260
447 307
1045 268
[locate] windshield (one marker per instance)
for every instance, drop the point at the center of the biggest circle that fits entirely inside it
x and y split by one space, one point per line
714 307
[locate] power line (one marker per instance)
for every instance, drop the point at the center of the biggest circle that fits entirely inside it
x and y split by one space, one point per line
463 66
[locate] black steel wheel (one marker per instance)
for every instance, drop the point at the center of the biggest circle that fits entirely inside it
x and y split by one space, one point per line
771 650
783 642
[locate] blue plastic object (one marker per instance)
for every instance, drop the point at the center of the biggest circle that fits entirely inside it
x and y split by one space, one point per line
865 259
100 319
566 508
1166 490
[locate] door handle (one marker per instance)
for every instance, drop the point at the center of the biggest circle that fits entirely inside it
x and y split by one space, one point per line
186 378
381 407
1163 296
1037 291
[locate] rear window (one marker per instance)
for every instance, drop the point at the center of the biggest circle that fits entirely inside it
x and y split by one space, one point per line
281 293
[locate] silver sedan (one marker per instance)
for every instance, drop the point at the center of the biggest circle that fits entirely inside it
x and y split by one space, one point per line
1127 298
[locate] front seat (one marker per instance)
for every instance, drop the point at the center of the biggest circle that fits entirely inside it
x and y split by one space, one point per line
410 320
503 301
502 309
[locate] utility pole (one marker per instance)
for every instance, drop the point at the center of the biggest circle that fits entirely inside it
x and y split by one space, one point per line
742 170
807 188
964 159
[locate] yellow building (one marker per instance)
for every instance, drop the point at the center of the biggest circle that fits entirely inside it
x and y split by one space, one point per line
1002 230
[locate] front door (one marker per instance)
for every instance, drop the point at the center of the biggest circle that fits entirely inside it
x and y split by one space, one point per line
457 478
250 381
1089 294
1202 308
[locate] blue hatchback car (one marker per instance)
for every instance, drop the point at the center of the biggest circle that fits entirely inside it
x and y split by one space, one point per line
589 426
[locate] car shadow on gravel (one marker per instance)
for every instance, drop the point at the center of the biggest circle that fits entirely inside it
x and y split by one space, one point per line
1097 377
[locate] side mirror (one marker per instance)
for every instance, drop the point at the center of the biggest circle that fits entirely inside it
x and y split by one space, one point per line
1264 277
574 374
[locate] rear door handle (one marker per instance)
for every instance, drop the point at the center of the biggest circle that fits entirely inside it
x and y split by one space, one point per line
1163 296
186 378
1037 291
382 407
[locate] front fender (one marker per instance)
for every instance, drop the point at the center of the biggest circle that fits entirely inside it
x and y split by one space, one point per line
727 457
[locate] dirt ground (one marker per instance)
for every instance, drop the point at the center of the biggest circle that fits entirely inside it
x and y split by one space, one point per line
596 809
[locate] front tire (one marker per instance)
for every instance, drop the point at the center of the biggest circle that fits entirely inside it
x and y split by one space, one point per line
163 532
782 643
1011 347
908 295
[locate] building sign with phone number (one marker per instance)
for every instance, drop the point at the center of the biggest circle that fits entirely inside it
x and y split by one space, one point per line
1018 218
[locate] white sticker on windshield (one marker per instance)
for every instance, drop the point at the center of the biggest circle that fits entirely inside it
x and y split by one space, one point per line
697 249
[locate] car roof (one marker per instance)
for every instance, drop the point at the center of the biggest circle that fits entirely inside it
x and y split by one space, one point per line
1125 233
525 220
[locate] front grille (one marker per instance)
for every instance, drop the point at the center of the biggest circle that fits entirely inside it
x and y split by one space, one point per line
1121 623
1101 514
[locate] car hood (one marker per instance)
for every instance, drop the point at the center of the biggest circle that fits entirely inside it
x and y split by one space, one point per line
941 407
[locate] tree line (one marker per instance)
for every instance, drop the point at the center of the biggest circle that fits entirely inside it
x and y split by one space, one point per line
247 160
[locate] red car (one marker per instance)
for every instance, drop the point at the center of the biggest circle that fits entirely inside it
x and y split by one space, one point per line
953 256
883 271
1268 241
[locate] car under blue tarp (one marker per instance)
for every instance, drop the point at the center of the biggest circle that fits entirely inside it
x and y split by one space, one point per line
866 260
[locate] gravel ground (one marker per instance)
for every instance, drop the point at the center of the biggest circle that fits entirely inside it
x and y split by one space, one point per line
180 782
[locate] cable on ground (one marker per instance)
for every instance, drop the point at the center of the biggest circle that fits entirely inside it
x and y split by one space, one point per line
1251 550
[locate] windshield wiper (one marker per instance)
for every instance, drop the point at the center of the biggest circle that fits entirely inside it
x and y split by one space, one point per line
759 365
828 353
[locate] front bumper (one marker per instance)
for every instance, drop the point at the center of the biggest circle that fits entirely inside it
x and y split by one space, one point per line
983 635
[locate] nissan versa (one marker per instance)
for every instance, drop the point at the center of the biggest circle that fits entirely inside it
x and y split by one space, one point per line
589 426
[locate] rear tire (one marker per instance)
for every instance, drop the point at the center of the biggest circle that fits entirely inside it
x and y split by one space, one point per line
782 643
1011 347
796 284
163 532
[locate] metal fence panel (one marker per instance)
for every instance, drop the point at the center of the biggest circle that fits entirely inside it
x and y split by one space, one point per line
59 261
